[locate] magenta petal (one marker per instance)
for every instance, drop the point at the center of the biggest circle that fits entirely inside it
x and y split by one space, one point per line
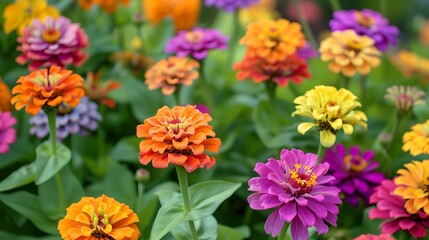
298 230
288 211
274 224
306 216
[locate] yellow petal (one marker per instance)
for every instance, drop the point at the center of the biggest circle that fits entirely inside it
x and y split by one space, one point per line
327 138
304 127
348 129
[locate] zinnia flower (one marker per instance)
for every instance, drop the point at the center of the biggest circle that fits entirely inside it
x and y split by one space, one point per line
170 73
411 64
7 132
98 91
366 22
19 15
5 97
331 110
178 136
185 13
349 53
295 186
273 40
262 9
405 97
281 72
197 42
81 119
413 186
374 237
52 42
354 172
417 140
307 52
99 218
109 6
230 5
47 88
390 207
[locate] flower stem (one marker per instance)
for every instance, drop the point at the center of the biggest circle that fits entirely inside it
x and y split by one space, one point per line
61 194
283 233
271 89
335 5
305 24
320 153
383 7
52 117
363 82
183 182
395 129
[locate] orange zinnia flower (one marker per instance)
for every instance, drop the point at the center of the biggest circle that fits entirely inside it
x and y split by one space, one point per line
5 97
273 40
97 91
178 136
185 13
171 72
109 6
99 218
47 88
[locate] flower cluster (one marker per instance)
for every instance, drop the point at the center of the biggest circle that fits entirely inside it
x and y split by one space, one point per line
98 91
417 140
109 6
179 136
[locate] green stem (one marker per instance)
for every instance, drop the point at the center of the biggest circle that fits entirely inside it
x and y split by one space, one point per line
383 7
395 129
283 233
294 91
305 25
363 88
247 216
61 194
205 91
344 81
271 89
177 96
183 182
335 5
52 117
140 190
320 153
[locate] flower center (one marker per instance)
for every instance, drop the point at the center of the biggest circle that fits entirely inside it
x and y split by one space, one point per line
364 20
194 36
354 44
175 125
99 223
424 185
354 163
64 108
302 178
51 35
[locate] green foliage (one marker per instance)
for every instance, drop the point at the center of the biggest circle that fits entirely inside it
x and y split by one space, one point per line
48 163
20 177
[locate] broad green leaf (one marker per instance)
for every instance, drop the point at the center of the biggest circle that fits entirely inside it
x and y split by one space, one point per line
20 177
207 229
47 164
168 217
59 192
228 233
6 235
27 204
119 183
127 149
207 196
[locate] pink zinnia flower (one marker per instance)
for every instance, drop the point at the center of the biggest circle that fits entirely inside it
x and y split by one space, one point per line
52 42
7 132
391 208
295 187
374 237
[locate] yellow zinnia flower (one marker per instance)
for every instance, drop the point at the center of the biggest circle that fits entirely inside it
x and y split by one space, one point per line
417 140
18 15
331 110
413 186
349 53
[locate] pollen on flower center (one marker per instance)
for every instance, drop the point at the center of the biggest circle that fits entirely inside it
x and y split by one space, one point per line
302 177
354 163
175 125
424 185
364 20
51 35
194 36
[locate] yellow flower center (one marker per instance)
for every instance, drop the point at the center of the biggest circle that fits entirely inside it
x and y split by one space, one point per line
354 44
364 20
302 177
424 185
194 36
99 223
51 35
354 163
175 125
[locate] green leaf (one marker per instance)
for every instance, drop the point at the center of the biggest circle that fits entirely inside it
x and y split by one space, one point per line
127 149
119 184
28 205
168 217
20 177
52 203
207 229
47 164
207 196
6 235
227 233
155 37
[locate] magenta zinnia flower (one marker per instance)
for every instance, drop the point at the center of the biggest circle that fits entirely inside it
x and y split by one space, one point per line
354 172
391 208
366 22
7 132
52 42
295 186
196 42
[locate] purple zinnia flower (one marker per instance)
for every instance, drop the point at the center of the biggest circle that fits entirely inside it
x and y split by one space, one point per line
295 186
196 42
366 22
52 42
83 118
390 207
354 172
229 5
306 52
7 132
